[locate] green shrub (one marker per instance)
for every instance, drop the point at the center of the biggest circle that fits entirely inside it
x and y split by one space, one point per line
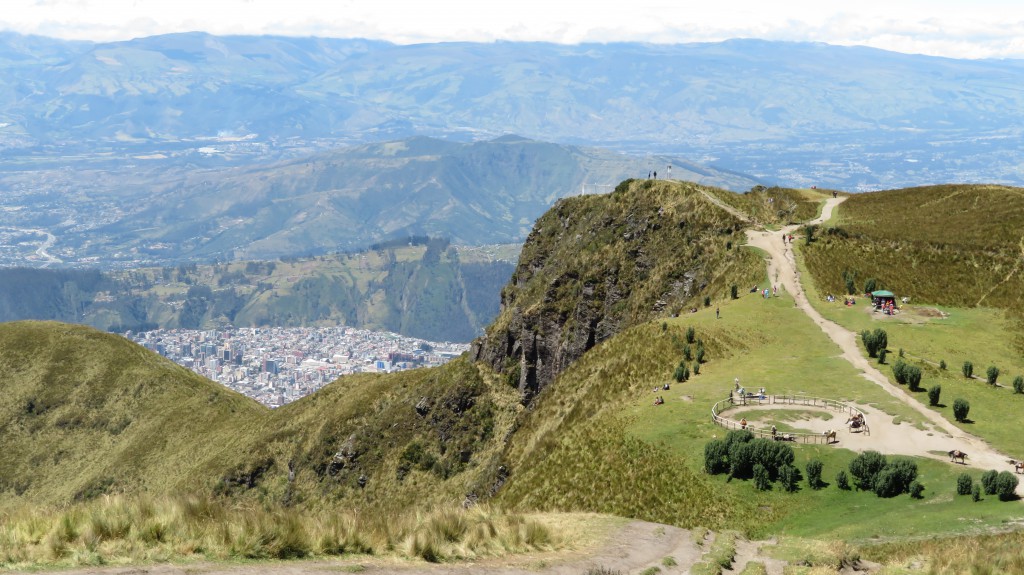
881 338
691 334
870 285
942 364
669 561
814 469
849 278
933 394
960 409
968 369
1006 486
1018 384
733 292
964 484
707 301
865 469
881 356
897 475
916 489
992 374
716 457
988 481
842 481
678 373
901 352
899 372
788 476
976 493
762 481
652 570
913 374
700 353
687 353
696 368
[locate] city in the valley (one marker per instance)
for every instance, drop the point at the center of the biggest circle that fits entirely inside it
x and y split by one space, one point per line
276 365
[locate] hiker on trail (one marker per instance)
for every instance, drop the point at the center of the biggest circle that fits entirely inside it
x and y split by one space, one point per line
717 315
655 175
737 384
648 175
775 291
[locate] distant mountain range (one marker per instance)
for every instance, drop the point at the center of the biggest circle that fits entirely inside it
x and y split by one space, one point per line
787 113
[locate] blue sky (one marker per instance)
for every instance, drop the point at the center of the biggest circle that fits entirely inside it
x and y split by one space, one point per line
959 29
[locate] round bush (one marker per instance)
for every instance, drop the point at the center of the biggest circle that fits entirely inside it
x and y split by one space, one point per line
964 484
716 457
865 469
916 489
933 394
960 409
842 481
814 468
988 481
1006 486
992 374
976 493
968 369
1018 384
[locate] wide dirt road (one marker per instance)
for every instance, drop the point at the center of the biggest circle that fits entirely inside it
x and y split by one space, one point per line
885 436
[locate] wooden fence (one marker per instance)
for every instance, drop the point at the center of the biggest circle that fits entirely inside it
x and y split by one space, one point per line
736 400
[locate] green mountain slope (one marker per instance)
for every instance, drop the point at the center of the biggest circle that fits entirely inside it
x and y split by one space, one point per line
84 413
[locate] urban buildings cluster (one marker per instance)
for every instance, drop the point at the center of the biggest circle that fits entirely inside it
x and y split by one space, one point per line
276 365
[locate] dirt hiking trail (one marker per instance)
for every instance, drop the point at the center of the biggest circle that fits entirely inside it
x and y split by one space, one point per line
886 437
630 549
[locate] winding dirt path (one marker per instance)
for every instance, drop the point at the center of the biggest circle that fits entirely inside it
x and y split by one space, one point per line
885 435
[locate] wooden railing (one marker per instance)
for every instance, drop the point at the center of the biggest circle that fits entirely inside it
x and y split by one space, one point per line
736 400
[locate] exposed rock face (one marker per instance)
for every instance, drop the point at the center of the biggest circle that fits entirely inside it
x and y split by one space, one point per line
595 265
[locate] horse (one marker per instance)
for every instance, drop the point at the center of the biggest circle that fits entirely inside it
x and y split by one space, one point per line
830 436
1018 466
957 454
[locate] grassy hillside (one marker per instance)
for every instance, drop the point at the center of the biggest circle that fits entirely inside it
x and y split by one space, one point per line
955 245
85 413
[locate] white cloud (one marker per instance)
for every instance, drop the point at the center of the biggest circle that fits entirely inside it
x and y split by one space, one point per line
981 28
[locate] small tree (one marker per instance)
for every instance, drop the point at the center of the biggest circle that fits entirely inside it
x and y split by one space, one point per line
788 478
716 457
992 374
696 368
809 231
870 285
678 374
942 364
968 369
687 352
933 394
960 409
686 373
870 343
814 468
881 339
988 481
700 353
707 301
762 481
976 493
733 292
899 372
1006 486
691 334
964 484
1018 384
842 480
881 356
916 489
913 377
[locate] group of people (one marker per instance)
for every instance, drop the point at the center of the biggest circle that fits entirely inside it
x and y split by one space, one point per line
888 307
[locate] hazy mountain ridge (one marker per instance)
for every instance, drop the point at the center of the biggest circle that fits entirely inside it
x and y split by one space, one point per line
845 116
344 200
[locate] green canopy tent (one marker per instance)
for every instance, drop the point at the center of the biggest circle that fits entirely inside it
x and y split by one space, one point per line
883 297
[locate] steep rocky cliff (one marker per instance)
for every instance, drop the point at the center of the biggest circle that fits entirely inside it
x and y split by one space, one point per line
594 265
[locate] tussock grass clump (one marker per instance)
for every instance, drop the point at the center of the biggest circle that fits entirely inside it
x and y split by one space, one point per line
719 557
118 529
997 553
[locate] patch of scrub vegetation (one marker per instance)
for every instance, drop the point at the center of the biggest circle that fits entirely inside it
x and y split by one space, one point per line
120 530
